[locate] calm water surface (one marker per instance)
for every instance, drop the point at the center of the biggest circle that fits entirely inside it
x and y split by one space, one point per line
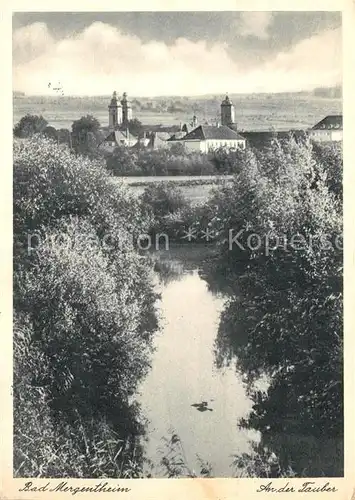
184 372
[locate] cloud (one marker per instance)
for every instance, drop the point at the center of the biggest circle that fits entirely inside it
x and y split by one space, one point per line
255 24
101 59
29 42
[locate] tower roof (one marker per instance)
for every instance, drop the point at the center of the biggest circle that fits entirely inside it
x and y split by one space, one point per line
114 100
226 101
124 97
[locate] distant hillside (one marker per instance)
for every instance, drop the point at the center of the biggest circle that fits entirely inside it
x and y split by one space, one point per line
330 92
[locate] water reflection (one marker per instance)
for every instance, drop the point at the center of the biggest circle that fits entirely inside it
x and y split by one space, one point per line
297 436
186 394
213 392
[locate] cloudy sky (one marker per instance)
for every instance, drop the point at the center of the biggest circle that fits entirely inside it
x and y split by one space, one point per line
175 53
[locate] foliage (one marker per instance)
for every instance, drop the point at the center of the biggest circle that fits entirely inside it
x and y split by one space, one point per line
86 123
175 463
50 133
148 162
64 136
284 278
136 127
30 125
260 462
123 162
162 199
50 183
227 161
86 136
330 155
84 315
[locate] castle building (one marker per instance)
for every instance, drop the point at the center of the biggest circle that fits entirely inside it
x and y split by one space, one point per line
208 138
228 113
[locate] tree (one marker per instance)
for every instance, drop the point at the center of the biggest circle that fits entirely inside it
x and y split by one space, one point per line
284 275
177 149
136 127
85 124
30 125
86 136
51 133
75 345
64 136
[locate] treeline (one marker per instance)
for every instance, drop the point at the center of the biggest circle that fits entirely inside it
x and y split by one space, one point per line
84 138
148 162
84 317
172 161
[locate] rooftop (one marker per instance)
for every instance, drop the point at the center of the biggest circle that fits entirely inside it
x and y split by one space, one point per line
330 122
120 135
203 132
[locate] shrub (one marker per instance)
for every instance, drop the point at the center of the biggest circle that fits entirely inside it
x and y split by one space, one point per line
84 310
50 183
30 125
147 162
287 301
161 199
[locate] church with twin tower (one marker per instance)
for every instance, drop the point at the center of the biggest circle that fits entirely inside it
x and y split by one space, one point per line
119 112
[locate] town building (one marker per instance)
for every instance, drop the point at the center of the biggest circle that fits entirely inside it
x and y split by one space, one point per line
118 138
206 138
327 130
158 140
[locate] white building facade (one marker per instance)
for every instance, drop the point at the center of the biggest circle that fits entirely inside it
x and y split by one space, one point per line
330 129
207 138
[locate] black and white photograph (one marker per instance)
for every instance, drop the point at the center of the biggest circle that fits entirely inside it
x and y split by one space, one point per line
178 246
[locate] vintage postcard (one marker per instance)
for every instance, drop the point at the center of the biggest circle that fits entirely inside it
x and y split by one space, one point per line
176 194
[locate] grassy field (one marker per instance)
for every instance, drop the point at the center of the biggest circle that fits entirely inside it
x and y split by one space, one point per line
253 112
196 190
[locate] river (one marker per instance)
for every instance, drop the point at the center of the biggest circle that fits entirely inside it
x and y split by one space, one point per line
184 379
184 373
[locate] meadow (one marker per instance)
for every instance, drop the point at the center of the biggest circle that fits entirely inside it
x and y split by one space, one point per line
253 112
194 188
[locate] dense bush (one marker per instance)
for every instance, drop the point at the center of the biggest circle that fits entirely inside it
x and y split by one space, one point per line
30 125
284 316
86 136
85 317
148 162
50 183
163 198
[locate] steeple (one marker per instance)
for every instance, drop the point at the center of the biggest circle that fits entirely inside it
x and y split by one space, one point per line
227 113
114 112
126 110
